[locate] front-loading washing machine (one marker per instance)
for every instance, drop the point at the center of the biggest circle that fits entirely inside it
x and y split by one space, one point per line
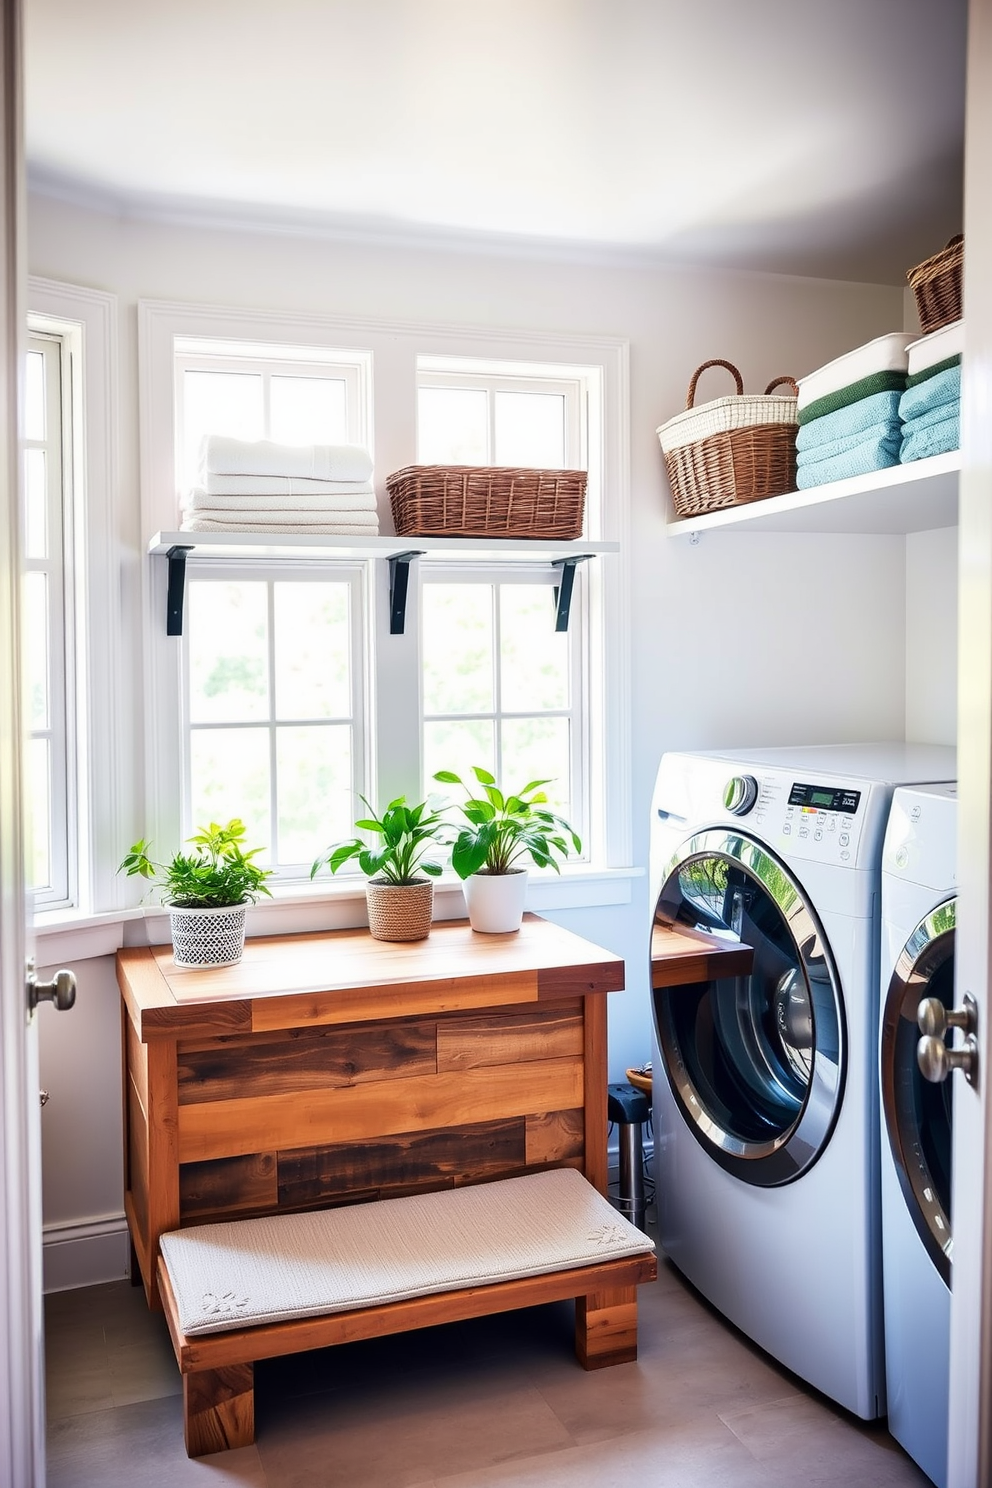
766 1092
918 931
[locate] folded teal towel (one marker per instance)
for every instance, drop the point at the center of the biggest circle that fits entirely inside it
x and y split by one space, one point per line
890 430
880 408
873 454
933 392
875 382
935 439
928 416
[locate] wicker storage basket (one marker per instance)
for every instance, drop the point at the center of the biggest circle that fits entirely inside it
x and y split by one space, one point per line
936 283
733 450
399 911
486 500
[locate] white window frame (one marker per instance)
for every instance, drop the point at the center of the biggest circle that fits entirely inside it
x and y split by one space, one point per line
102 736
397 348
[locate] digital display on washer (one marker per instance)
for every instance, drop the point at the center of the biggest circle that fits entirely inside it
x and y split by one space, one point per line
824 797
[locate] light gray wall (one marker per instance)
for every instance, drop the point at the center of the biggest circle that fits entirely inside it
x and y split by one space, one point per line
742 639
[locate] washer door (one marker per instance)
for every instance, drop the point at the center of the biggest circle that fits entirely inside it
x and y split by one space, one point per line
917 1113
756 1063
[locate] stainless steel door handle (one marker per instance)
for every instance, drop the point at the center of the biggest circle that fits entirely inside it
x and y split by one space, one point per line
934 1019
935 1059
61 990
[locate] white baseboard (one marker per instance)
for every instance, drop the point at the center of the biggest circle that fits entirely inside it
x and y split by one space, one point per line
85 1253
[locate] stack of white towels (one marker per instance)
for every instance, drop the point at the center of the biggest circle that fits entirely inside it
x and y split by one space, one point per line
257 486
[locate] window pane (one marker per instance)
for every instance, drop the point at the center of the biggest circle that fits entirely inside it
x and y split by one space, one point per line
458 648
533 655
228 651
36 496
34 396
219 403
37 647
39 764
452 426
313 770
229 776
530 430
457 747
538 749
308 410
313 650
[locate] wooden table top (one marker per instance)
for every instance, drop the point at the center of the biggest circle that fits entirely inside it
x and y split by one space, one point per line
682 957
346 976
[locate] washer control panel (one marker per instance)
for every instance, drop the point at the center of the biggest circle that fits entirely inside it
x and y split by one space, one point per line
810 819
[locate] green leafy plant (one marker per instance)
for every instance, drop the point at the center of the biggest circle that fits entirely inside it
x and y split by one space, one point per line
220 873
503 829
406 835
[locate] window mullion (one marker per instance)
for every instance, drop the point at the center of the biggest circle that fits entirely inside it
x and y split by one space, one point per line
273 726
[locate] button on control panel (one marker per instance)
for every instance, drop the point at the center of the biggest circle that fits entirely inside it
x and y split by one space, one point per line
810 820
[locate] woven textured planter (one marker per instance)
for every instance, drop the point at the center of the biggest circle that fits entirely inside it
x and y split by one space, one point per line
936 286
208 937
487 500
399 911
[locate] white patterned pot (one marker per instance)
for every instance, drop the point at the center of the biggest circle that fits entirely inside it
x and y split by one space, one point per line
496 900
399 911
208 937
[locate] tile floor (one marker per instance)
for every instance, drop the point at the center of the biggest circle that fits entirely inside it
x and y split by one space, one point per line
495 1403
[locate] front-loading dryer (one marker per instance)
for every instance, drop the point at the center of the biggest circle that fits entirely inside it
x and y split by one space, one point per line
919 908
766 1095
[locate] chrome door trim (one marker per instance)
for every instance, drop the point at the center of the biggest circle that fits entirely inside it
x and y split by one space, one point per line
925 951
793 1152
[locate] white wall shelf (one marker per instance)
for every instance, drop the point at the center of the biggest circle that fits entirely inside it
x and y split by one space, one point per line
177 547
906 498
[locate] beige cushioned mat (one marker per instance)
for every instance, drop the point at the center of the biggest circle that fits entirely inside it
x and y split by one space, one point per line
243 1272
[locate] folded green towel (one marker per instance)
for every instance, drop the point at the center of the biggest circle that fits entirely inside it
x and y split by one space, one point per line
865 387
873 454
945 366
942 390
888 429
880 408
935 439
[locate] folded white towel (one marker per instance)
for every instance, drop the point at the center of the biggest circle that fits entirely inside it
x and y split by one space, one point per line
200 523
937 347
884 354
367 517
278 485
200 500
225 456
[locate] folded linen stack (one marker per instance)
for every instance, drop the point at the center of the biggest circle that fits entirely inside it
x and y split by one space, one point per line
849 413
930 407
258 486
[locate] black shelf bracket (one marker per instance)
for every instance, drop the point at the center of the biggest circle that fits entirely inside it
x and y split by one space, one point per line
177 589
399 579
563 591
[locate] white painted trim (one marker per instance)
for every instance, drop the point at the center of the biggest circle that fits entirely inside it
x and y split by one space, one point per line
86 1252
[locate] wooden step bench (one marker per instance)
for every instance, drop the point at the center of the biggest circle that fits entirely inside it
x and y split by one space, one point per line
259 1288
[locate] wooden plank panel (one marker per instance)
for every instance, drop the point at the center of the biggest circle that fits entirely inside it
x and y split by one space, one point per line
137 1062
450 995
556 1137
304 1059
411 1161
232 1127
228 1185
682 957
137 1165
163 1149
272 1340
219 1409
595 1093
606 1327
551 1032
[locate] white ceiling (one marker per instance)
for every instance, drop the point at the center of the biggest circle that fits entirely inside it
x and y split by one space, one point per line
805 136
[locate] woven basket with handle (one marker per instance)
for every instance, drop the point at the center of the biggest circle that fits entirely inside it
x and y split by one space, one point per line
486 500
936 285
733 450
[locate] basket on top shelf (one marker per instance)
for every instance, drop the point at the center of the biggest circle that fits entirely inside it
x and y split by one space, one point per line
936 284
736 449
486 501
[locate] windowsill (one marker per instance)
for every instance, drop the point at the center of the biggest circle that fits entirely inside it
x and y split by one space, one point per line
69 935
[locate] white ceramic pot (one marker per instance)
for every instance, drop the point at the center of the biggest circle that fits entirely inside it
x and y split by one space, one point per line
496 900
208 937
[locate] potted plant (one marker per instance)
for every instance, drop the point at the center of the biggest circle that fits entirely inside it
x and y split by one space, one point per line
502 830
207 892
399 892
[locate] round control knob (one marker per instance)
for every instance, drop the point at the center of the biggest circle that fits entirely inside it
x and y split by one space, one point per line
936 1060
740 794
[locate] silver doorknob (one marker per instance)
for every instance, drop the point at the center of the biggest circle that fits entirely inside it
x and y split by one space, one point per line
935 1019
937 1061
61 990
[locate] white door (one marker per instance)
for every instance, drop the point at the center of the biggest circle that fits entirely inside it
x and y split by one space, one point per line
970 1425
